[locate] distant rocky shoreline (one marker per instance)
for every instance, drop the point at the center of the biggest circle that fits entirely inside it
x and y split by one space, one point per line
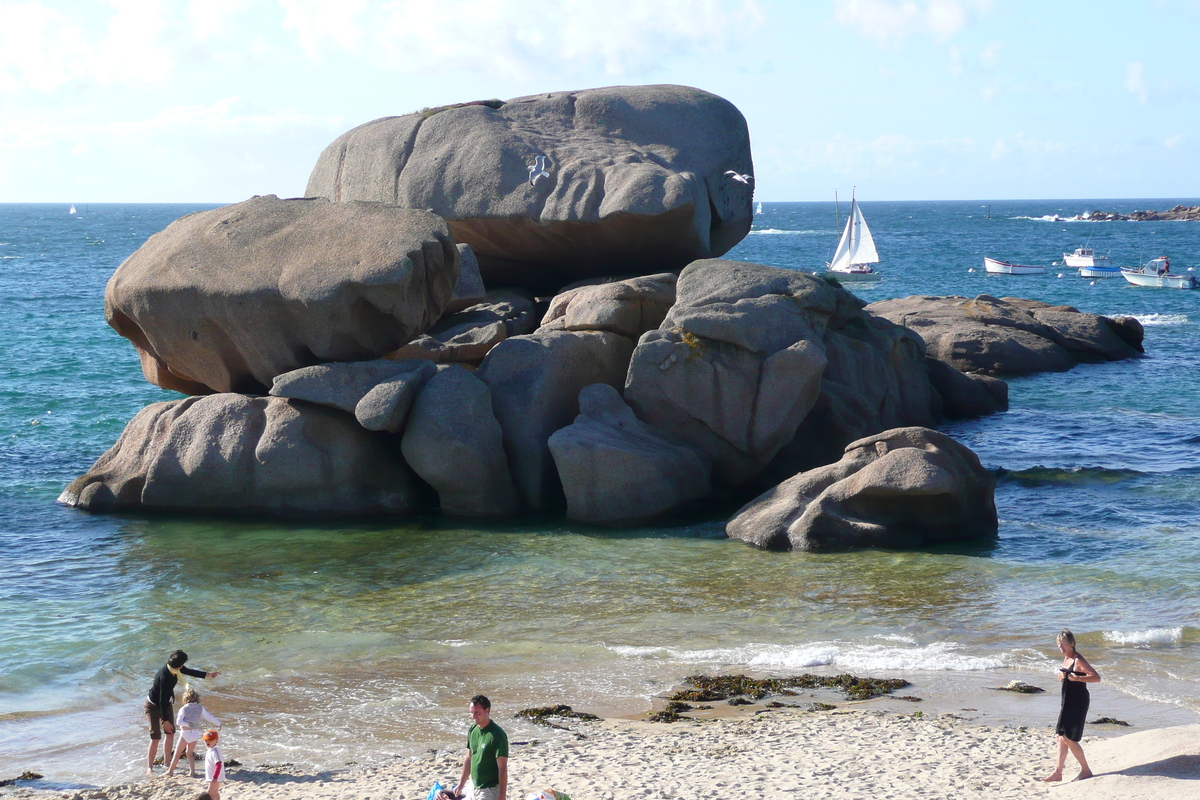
1189 213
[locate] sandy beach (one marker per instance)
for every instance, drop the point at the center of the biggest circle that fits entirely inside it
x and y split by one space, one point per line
762 753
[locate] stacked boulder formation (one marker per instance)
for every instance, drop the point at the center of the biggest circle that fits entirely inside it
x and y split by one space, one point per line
503 308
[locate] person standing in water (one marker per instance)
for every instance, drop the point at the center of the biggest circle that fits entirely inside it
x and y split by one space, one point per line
159 707
1074 673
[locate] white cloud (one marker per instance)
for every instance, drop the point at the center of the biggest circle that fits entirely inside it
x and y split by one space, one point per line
1135 81
888 21
43 49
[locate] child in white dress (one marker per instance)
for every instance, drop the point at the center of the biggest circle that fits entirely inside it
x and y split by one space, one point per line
189 722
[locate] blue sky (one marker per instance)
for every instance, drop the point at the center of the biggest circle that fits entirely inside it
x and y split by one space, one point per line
217 100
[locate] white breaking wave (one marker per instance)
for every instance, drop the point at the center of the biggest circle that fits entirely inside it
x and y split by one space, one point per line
1163 319
1053 218
1151 636
936 657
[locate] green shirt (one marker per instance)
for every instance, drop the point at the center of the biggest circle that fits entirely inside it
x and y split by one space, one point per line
486 746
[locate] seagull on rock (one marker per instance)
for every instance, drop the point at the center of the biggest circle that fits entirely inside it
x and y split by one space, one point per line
740 177
537 170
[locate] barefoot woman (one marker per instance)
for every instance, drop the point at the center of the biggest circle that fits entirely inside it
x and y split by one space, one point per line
1075 673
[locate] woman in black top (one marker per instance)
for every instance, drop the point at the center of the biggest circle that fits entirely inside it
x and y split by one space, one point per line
1074 673
160 703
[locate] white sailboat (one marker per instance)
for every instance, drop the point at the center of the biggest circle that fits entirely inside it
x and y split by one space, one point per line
759 209
856 250
72 211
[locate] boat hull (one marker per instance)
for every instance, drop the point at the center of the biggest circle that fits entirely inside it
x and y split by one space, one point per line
996 267
854 277
1099 272
1159 281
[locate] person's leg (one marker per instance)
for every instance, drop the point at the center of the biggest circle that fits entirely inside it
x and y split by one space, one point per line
178 755
1056 776
1084 770
152 719
213 791
168 748
192 759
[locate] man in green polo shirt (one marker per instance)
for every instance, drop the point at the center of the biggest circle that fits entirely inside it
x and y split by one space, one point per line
487 756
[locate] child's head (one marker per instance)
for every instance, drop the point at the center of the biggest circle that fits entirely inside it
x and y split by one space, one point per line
210 737
191 696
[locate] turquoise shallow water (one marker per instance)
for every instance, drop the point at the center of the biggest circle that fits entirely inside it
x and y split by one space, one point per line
341 642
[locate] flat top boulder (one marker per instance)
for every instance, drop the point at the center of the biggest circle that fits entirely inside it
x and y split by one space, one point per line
555 187
1010 335
228 299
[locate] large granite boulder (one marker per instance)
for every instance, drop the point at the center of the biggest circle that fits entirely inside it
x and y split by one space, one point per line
453 442
1009 335
907 487
552 188
229 453
470 289
469 335
378 393
617 470
535 382
225 300
748 351
629 307
963 395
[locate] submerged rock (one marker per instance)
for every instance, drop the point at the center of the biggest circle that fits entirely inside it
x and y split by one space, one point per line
908 487
228 299
233 454
634 179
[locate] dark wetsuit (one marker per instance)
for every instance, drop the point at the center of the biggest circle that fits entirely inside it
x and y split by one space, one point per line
1075 701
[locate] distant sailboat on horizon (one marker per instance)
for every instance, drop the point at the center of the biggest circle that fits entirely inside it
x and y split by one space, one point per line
856 249
72 211
759 209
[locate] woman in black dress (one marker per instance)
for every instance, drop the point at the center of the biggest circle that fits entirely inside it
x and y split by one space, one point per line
1075 673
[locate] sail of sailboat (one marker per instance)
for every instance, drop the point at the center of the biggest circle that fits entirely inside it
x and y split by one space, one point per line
856 249
72 211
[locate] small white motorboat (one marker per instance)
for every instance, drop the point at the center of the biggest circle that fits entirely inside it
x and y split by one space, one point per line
1157 272
1099 272
995 266
1086 257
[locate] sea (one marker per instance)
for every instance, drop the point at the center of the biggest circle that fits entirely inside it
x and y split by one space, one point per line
359 642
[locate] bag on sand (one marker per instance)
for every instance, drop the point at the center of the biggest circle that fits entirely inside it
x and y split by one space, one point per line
437 787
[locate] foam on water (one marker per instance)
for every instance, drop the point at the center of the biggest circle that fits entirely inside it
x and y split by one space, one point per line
1147 637
1163 319
863 656
777 232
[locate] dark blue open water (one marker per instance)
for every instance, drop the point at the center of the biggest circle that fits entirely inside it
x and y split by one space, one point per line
318 628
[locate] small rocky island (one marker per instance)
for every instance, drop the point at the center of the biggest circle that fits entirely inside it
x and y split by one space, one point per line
1188 213
520 307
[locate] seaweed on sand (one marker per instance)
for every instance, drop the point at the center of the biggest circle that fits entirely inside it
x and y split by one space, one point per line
542 716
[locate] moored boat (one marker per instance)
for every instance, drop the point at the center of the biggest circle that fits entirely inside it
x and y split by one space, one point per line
1099 272
1086 257
1157 272
997 267
855 251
